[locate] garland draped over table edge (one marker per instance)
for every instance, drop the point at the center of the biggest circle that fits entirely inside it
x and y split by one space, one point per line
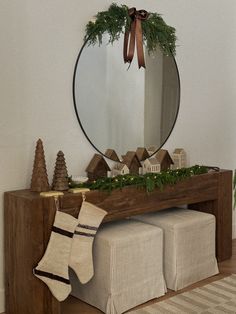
149 181
116 20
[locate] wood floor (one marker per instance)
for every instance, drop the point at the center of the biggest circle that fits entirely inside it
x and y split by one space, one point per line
74 306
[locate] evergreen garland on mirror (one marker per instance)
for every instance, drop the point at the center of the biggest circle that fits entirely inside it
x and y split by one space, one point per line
149 181
116 20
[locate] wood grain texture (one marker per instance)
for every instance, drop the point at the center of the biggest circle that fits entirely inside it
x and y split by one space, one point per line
26 236
97 168
132 201
221 207
29 218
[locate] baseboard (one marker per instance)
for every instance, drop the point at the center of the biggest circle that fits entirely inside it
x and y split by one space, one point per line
2 300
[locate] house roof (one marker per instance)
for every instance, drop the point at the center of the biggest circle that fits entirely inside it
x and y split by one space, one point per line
178 151
162 154
110 153
95 161
129 158
142 153
153 161
119 166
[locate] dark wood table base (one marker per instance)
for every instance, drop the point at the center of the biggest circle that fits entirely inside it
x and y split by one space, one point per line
29 218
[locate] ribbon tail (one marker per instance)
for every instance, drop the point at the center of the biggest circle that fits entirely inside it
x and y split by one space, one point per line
131 42
139 44
125 48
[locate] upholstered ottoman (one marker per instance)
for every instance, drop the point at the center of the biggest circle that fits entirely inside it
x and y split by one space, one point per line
128 267
189 245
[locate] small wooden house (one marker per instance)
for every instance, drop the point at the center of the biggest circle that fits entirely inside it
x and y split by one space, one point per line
179 158
142 153
119 169
163 157
132 162
110 153
97 168
151 165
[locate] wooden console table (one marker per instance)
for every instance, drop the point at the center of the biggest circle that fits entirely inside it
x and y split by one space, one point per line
29 218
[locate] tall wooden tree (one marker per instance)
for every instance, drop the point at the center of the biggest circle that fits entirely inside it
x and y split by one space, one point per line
39 180
60 178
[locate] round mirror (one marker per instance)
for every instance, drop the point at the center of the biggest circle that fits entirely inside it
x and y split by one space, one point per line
120 107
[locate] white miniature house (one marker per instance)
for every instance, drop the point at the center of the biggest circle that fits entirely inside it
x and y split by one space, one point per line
151 165
119 169
179 158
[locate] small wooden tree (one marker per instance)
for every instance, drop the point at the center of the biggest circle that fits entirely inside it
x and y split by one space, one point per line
60 178
39 180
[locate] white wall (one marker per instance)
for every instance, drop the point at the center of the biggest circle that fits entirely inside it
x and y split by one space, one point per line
40 41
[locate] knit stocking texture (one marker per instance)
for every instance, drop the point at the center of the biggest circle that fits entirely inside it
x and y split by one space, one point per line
81 258
53 267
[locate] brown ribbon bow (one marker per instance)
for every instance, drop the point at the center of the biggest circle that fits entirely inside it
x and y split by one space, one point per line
135 34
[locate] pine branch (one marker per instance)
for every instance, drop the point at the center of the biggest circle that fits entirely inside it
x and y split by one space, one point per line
149 181
116 20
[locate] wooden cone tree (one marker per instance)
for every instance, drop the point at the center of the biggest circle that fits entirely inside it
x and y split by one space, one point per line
60 178
39 180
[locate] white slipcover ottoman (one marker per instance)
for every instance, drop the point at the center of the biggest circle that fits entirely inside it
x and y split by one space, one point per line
189 245
128 267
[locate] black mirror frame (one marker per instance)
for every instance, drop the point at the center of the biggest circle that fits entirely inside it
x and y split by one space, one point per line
77 114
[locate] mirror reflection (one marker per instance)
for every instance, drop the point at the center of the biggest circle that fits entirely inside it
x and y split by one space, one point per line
122 107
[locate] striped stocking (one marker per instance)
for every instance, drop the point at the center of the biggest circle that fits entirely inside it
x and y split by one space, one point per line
81 259
53 267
